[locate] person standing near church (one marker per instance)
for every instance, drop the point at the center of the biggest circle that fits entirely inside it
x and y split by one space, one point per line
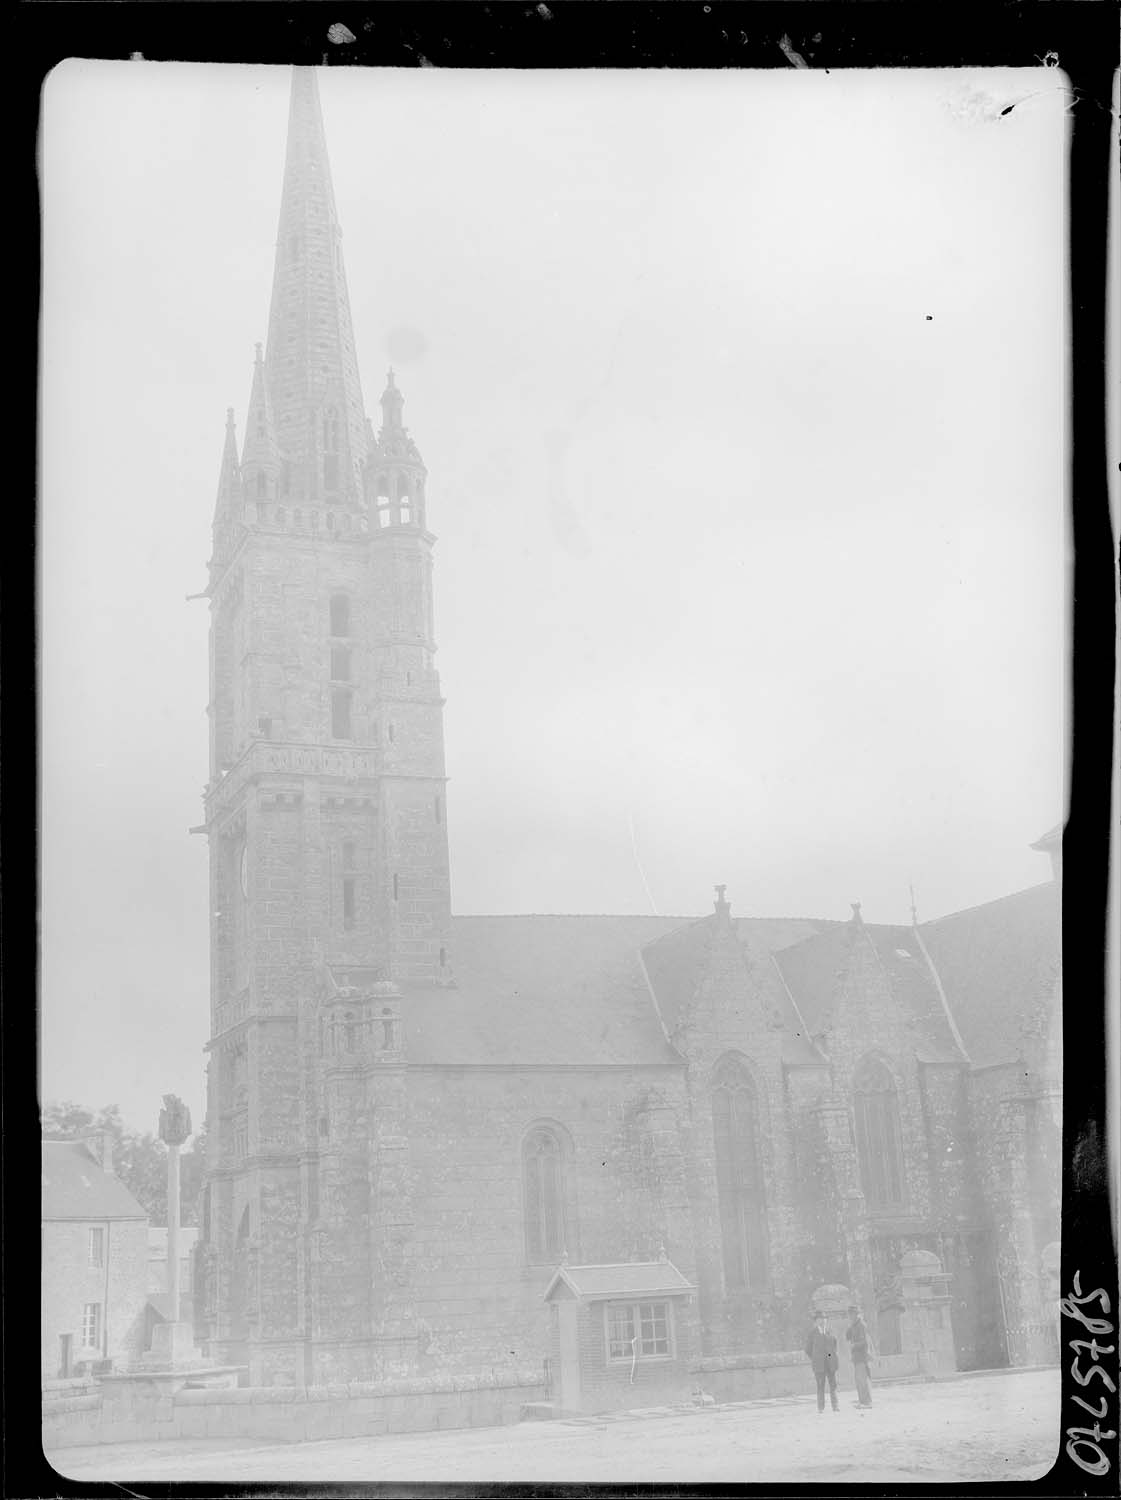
857 1335
821 1350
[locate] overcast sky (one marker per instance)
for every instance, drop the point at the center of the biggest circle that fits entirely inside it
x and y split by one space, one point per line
742 397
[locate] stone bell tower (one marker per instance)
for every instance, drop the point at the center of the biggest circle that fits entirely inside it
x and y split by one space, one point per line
326 821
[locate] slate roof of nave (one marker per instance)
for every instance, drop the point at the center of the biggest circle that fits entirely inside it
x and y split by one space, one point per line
674 963
576 990
812 970
998 963
571 989
536 989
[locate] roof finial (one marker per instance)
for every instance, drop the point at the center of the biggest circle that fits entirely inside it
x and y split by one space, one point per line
721 906
858 920
390 379
914 912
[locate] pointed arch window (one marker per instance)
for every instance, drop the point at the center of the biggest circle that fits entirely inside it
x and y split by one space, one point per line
340 615
543 1189
879 1144
739 1183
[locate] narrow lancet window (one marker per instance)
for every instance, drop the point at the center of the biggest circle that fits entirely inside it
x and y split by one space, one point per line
878 1138
543 1192
738 1178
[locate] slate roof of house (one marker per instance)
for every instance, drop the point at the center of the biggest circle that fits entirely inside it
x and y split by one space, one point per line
537 989
655 1278
76 1187
997 963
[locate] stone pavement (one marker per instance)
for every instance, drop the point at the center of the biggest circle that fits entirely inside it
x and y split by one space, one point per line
1001 1426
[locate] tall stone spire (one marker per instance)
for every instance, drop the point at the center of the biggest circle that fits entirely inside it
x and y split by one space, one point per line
311 367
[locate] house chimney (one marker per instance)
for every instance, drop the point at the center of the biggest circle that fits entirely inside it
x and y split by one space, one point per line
99 1143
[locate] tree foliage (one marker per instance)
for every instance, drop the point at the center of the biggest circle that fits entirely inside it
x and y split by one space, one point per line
140 1161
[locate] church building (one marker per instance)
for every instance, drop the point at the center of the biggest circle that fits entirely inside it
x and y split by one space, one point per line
416 1121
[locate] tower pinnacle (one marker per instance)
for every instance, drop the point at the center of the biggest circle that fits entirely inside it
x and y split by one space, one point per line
229 476
392 402
395 471
260 458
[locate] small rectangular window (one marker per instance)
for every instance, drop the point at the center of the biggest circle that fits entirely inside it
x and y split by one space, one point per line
340 715
396 888
97 1247
348 902
439 810
340 663
638 1330
91 1325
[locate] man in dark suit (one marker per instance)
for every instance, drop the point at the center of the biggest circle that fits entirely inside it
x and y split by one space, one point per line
821 1349
857 1335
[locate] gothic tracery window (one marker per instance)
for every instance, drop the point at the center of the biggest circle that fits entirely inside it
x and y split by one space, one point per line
543 1189
878 1140
743 1225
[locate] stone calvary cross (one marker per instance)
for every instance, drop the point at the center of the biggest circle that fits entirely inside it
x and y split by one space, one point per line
175 1130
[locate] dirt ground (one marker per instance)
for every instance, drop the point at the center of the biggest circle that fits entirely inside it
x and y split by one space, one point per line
991 1427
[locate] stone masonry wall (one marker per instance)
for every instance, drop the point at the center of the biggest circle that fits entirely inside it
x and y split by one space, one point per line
119 1286
478 1296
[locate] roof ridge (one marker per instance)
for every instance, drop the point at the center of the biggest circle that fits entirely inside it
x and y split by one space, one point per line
982 905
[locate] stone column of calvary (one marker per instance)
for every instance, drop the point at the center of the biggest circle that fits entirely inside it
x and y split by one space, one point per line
175 1130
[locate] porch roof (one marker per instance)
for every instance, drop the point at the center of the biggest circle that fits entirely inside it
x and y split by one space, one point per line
627 1279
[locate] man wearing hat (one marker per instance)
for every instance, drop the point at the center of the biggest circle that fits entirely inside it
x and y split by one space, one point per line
821 1348
857 1335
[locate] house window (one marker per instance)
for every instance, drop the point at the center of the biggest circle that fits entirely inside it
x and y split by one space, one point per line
97 1247
91 1325
439 810
340 615
639 1330
341 728
348 903
543 1192
743 1228
878 1138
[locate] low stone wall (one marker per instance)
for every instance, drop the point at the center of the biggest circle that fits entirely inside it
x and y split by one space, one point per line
72 1408
752 1377
138 1413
